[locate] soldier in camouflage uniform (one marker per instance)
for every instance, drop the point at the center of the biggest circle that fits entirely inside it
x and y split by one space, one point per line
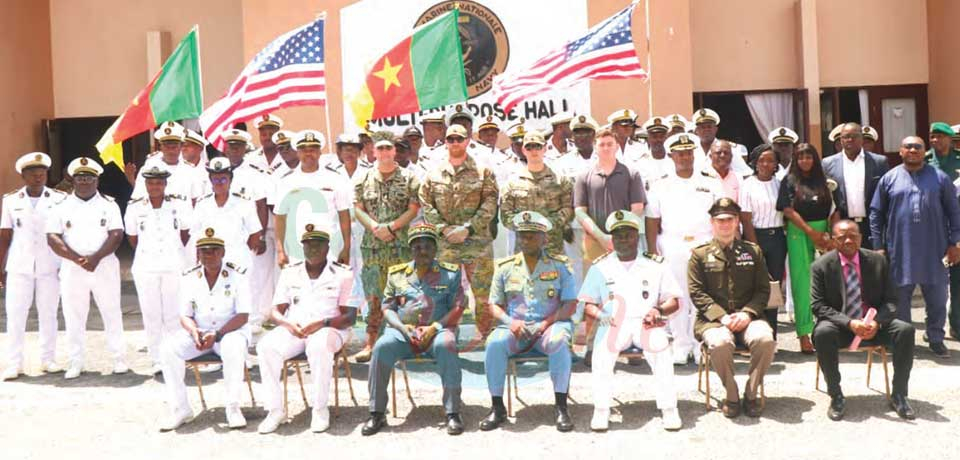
460 198
538 188
385 201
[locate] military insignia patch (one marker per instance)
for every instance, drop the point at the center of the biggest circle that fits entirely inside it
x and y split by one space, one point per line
549 276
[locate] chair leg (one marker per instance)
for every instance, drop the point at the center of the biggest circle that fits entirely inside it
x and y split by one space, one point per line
346 368
816 385
763 395
246 375
283 378
869 366
393 392
886 378
406 383
700 373
706 377
336 386
196 375
509 395
303 392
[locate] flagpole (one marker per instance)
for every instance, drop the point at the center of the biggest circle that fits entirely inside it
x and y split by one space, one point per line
646 14
326 104
196 27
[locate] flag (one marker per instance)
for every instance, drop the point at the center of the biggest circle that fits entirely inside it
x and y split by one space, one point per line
605 52
423 71
174 93
288 72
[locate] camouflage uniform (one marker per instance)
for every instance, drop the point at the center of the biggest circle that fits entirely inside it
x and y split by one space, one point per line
466 194
384 199
544 192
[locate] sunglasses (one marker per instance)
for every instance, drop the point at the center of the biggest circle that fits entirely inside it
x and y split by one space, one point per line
455 139
84 178
913 146
219 180
533 147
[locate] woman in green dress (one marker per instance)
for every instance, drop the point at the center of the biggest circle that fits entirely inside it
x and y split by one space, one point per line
806 199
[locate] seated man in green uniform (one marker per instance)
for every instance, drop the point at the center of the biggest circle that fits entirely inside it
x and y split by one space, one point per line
422 305
532 297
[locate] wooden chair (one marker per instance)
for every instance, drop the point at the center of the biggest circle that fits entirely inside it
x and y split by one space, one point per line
703 374
214 359
869 350
339 361
531 356
402 364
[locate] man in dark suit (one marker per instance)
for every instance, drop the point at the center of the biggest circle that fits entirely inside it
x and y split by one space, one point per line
856 172
845 283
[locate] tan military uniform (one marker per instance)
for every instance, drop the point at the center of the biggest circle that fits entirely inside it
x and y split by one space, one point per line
544 192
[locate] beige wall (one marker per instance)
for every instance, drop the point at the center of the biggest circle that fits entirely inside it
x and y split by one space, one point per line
100 52
26 94
739 45
884 42
943 93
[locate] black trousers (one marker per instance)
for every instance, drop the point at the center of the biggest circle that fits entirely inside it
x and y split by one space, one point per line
829 338
954 317
866 242
773 243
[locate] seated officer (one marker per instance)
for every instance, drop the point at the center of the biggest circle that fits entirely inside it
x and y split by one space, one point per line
630 298
532 298
729 286
315 305
422 304
839 304
214 305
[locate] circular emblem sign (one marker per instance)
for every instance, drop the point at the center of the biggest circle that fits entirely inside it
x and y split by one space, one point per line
483 39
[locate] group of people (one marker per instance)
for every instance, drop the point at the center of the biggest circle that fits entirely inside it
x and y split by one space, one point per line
661 244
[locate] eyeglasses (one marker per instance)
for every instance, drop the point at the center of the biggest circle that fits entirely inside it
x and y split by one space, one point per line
84 179
219 180
913 146
533 147
455 139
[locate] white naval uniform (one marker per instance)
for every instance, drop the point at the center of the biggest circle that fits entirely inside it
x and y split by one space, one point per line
356 229
572 165
682 205
234 222
259 159
211 308
84 225
309 300
551 152
298 196
185 180
31 271
627 292
157 266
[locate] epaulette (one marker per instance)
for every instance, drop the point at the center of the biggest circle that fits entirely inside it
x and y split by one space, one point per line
235 268
559 257
11 192
191 270
136 200
598 259
704 173
153 154
703 245
61 192
205 196
327 166
340 265
255 167
293 265
174 197
108 198
397 268
238 195
654 257
753 245
508 259
288 173
449 267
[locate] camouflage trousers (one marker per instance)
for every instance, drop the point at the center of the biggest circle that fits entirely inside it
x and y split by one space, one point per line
478 273
376 265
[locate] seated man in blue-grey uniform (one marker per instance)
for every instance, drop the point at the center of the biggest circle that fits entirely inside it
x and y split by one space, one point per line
422 304
532 297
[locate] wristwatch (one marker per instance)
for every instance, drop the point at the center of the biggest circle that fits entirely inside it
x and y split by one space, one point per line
326 322
469 228
217 336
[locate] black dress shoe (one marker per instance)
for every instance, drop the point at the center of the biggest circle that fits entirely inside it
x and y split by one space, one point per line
939 349
494 419
752 407
898 402
564 423
837 406
454 424
588 359
374 424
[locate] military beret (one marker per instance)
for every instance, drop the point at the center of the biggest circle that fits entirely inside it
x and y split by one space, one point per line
942 128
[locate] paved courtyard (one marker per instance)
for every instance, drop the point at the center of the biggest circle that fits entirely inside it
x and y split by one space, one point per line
106 416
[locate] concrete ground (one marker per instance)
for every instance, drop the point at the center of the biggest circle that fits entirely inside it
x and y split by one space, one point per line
107 416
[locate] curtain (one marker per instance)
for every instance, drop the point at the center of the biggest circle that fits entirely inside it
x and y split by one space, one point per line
771 110
864 107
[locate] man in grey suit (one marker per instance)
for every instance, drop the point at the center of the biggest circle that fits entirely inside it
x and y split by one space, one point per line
845 284
856 173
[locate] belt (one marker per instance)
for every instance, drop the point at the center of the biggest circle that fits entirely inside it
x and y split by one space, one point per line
769 231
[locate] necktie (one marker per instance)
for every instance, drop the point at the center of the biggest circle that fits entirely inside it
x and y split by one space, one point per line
854 302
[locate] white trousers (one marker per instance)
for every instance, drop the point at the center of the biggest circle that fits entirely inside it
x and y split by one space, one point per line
179 347
279 345
22 288
608 344
76 286
158 294
263 278
676 254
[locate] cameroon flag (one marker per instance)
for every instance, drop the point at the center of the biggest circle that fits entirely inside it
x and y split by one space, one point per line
422 72
173 94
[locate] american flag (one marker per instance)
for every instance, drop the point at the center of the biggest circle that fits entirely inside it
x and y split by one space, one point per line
605 52
288 72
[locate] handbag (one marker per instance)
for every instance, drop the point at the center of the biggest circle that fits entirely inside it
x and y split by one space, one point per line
776 295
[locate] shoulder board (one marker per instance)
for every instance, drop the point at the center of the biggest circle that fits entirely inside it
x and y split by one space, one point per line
174 197
153 154
293 265
137 200
654 257
508 259
703 245
750 244
108 198
397 268
288 173
255 167
598 259
340 266
705 174
11 192
238 195
327 166
235 268
206 196
61 192
191 270
559 257
449 267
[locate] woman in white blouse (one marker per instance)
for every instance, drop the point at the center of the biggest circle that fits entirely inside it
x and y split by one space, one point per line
762 223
